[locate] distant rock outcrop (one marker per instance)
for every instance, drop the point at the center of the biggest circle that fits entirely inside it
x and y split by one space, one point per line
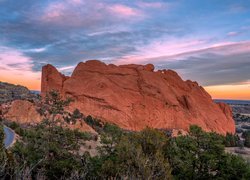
10 92
135 96
23 112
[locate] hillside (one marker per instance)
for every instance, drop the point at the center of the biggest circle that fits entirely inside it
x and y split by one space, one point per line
10 92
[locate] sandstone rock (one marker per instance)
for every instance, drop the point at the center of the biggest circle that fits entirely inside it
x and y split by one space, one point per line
135 97
23 112
225 109
51 79
149 67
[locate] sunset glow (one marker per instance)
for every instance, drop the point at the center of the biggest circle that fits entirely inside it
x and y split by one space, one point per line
205 41
238 92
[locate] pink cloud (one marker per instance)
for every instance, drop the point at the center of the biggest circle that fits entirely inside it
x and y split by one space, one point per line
125 11
16 68
152 4
88 13
175 49
232 33
54 11
230 48
76 1
163 47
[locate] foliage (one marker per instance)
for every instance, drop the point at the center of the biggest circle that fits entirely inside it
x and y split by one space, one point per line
72 118
141 155
3 157
48 150
110 137
246 136
96 124
51 151
231 140
6 159
138 155
53 108
201 155
55 104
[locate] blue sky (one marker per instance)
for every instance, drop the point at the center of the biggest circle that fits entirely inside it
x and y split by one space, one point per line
207 41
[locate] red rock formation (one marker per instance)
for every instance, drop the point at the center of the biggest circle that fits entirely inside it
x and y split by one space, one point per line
134 97
51 79
23 112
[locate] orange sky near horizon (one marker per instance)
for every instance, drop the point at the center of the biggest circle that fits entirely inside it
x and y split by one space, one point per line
239 92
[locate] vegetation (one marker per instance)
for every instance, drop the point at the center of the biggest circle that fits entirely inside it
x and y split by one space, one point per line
51 151
231 140
6 159
246 136
201 155
96 124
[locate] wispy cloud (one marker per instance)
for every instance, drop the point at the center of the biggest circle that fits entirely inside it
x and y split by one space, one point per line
88 13
125 11
190 37
225 64
151 5
17 68
232 33
36 50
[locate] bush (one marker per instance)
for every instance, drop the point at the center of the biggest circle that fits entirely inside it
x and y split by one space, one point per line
231 140
246 136
14 125
201 155
96 124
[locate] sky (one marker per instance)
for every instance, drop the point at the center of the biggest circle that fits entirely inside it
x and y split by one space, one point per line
206 41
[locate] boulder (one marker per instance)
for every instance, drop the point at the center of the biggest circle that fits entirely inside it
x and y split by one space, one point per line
149 67
23 112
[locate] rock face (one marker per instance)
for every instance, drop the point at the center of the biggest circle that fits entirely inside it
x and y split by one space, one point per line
51 79
135 96
23 112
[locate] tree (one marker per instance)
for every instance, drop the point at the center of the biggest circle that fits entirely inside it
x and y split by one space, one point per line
201 155
134 155
3 157
110 137
6 159
96 124
246 136
53 108
49 150
231 140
